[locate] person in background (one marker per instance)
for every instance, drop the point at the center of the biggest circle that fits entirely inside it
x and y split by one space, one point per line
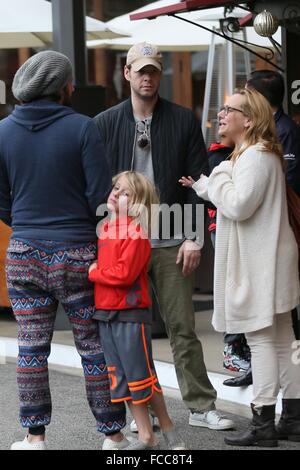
237 356
53 176
236 353
271 85
256 263
217 153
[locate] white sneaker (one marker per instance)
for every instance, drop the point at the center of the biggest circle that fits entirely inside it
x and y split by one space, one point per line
210 419
154 420
108 444
26 445
140 445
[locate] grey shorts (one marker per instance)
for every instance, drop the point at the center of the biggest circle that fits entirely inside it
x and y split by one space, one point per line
128 355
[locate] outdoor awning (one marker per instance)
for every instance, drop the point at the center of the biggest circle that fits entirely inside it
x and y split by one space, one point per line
167 32
171 34
184 6
28 23
195 5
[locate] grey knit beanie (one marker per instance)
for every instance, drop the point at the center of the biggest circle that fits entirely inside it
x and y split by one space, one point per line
44 74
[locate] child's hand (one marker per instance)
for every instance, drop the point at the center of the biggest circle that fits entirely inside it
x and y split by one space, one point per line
93 266
187 182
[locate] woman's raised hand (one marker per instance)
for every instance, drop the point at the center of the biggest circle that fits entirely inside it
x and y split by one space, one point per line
187 181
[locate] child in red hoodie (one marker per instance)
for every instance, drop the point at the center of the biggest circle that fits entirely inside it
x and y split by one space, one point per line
122 301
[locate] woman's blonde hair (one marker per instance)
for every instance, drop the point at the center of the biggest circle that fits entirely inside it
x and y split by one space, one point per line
145 201
263 129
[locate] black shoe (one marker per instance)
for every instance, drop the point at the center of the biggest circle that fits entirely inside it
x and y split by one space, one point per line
262 430
241 381
288 427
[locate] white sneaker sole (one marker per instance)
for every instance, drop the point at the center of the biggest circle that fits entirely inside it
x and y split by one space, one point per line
214 427
21 446
111 446
155 425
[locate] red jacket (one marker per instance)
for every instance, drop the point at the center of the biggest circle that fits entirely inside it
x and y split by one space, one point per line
121 280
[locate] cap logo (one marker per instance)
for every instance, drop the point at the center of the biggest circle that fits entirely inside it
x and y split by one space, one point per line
147 51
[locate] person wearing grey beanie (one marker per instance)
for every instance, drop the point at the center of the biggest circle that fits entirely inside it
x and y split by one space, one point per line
43 75
53 177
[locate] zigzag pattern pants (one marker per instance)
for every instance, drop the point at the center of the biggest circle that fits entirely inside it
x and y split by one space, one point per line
39 275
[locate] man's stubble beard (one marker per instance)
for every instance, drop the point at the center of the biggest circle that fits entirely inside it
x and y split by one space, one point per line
146 98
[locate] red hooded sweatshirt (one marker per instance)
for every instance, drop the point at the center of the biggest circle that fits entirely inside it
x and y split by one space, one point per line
121 280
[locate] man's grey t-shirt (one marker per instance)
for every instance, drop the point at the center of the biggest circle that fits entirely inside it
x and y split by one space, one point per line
142 163
142 156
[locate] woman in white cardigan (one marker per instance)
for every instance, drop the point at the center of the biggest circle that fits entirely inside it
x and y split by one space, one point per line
256 280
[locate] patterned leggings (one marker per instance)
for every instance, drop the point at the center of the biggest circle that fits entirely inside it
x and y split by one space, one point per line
39 274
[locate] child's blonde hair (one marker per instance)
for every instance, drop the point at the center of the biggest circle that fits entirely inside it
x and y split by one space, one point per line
145 200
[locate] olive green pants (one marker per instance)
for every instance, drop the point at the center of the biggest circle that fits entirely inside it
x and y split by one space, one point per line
174 293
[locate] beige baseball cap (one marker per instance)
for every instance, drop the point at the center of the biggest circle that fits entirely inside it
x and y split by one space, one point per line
143 54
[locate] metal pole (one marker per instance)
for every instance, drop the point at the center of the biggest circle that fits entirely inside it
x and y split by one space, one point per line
69 35
230 69
222 80
246 56
208 82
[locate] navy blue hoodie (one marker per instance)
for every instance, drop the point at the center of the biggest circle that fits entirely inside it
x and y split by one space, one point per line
53 173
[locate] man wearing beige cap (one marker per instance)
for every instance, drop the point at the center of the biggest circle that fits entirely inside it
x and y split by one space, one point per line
164 141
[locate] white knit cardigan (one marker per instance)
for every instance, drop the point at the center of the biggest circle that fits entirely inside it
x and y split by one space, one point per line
256 255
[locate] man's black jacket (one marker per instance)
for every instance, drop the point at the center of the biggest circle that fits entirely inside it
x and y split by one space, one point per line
289 137
177 146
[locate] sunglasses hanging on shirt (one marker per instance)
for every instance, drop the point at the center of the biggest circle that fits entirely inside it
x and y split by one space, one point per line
143 140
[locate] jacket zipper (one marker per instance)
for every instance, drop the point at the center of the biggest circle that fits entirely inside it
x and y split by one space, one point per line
133 148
